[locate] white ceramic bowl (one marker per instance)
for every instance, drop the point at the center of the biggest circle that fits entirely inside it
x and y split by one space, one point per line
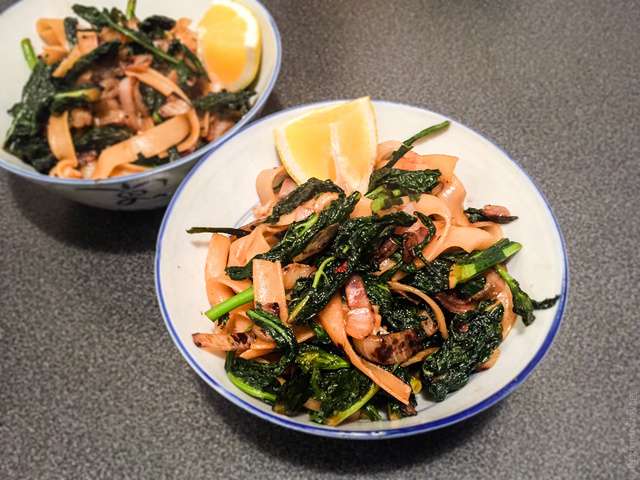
221 192
150 189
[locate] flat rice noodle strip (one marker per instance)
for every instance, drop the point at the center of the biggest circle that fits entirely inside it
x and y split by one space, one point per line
264 183
127 169
268 286
261 347
194 123
65 169
162 137
69 61
125 95
156 80
432 205
294 271
114 156
245 248
148 143
307 208
453 195
221 342
440 320
499 290
61 145
332 318
87 41
466 238
51 31
445 163
420 356
238 321
385 149
53 55
493 229
214 266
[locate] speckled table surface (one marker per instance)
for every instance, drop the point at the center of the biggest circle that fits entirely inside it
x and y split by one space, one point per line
91 385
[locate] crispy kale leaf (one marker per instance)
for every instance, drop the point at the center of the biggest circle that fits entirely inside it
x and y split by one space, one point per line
225 102
480 215
339 391
80 96
350 252
102 52
26 138
99 138
300 234
258 379
472 338
388 185
524 305
115 19
71 29
308 190
397 313
155 26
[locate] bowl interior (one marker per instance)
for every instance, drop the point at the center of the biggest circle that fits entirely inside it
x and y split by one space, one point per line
221 191
18 22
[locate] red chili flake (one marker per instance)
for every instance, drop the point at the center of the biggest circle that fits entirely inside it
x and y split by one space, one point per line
342 267
464 328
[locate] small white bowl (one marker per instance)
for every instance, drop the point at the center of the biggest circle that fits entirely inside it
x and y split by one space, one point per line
220 191
143 191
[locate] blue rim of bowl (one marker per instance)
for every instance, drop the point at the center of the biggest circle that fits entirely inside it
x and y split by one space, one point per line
201 152
378 433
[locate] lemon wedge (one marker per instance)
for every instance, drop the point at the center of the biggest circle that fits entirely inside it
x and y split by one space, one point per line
229 44
337 143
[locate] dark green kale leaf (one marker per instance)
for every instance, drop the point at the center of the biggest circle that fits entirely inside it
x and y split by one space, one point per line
259 379
351 251
177 48
71 29
523 305
293 394
26 138
387 185
480 215
225 102
254 378
308 190
446 272
469 289
80 96
104 51
300 234
99 138
311 357
433 277
341 393
408 143
115 19
395 409
295 391
156 26
473 336
397 312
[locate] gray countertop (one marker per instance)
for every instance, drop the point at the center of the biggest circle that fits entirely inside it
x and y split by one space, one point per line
91 385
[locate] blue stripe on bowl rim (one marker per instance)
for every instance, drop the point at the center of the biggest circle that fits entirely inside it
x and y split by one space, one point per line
201 152
337 432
